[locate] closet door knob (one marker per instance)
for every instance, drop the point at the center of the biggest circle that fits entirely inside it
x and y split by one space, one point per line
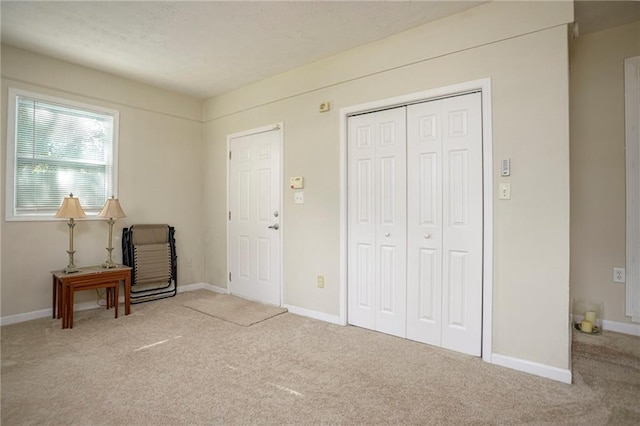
427 236
387 234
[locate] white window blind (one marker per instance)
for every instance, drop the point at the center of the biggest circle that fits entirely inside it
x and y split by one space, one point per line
59 148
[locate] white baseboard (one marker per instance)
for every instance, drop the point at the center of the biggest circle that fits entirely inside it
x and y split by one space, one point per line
202 286
334 319
44 313
543 370
622 327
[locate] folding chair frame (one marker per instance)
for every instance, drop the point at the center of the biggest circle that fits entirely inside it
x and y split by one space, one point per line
147 295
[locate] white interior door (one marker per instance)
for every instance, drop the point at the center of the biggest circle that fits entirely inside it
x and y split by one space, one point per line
415 222
445 223
254 216
377 221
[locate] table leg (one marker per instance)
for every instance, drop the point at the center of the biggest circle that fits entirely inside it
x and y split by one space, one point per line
64 306
55 299
61 299
71 291
116 289
127 294
108 297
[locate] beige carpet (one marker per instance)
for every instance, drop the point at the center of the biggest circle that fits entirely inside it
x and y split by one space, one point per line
169 365
233 309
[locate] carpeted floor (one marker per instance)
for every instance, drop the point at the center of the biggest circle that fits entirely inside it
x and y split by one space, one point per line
167 364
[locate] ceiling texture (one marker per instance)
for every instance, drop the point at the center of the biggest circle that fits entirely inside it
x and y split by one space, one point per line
207 48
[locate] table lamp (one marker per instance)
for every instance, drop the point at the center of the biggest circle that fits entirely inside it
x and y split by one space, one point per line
113 211
70 209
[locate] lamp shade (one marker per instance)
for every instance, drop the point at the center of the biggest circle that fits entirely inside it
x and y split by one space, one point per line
112 209
70 208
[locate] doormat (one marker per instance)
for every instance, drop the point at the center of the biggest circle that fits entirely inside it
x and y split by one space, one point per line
234 309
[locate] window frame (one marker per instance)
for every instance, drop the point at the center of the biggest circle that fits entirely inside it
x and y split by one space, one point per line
11 155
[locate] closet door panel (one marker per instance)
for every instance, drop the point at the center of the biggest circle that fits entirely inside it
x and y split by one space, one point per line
377 221
361 222
391 208
424 222
462 224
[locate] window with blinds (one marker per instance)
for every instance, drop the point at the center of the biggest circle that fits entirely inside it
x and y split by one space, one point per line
59 147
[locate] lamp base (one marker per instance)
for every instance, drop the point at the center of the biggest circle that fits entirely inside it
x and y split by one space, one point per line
109 264
71 269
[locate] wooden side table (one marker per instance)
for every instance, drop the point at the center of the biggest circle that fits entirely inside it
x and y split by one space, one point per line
92 277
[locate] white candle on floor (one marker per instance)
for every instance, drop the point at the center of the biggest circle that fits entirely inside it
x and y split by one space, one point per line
586 326
590 316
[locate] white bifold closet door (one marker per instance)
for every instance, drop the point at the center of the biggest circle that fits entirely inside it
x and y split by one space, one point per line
444 232
377 221
415 222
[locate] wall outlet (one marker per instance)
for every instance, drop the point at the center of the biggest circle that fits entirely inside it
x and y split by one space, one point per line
618 275
298 197
320 281
504 191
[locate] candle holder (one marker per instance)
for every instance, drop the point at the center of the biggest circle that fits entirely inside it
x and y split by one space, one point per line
587 316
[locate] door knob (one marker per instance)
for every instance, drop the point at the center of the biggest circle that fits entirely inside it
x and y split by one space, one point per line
387 234
276 226
427 236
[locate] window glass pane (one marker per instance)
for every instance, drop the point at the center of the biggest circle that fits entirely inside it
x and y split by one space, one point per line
60 150
43 184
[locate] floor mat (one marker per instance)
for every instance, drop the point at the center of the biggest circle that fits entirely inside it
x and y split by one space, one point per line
234 309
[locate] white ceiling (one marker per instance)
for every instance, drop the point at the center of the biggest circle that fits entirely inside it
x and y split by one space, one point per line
594 16
207 48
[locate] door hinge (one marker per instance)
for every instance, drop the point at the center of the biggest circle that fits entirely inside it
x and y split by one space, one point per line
229 215
229 276
229 155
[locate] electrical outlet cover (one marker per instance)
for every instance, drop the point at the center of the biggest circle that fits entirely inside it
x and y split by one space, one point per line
619 275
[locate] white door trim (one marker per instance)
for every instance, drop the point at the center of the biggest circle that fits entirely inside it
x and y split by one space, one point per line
484 86
632 144
268 128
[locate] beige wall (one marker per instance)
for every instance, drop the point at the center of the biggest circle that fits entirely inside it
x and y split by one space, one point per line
523 48
168 174
598 232
160 178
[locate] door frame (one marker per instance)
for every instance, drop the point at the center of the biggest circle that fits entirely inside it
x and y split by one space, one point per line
263 129
632 171
484 87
